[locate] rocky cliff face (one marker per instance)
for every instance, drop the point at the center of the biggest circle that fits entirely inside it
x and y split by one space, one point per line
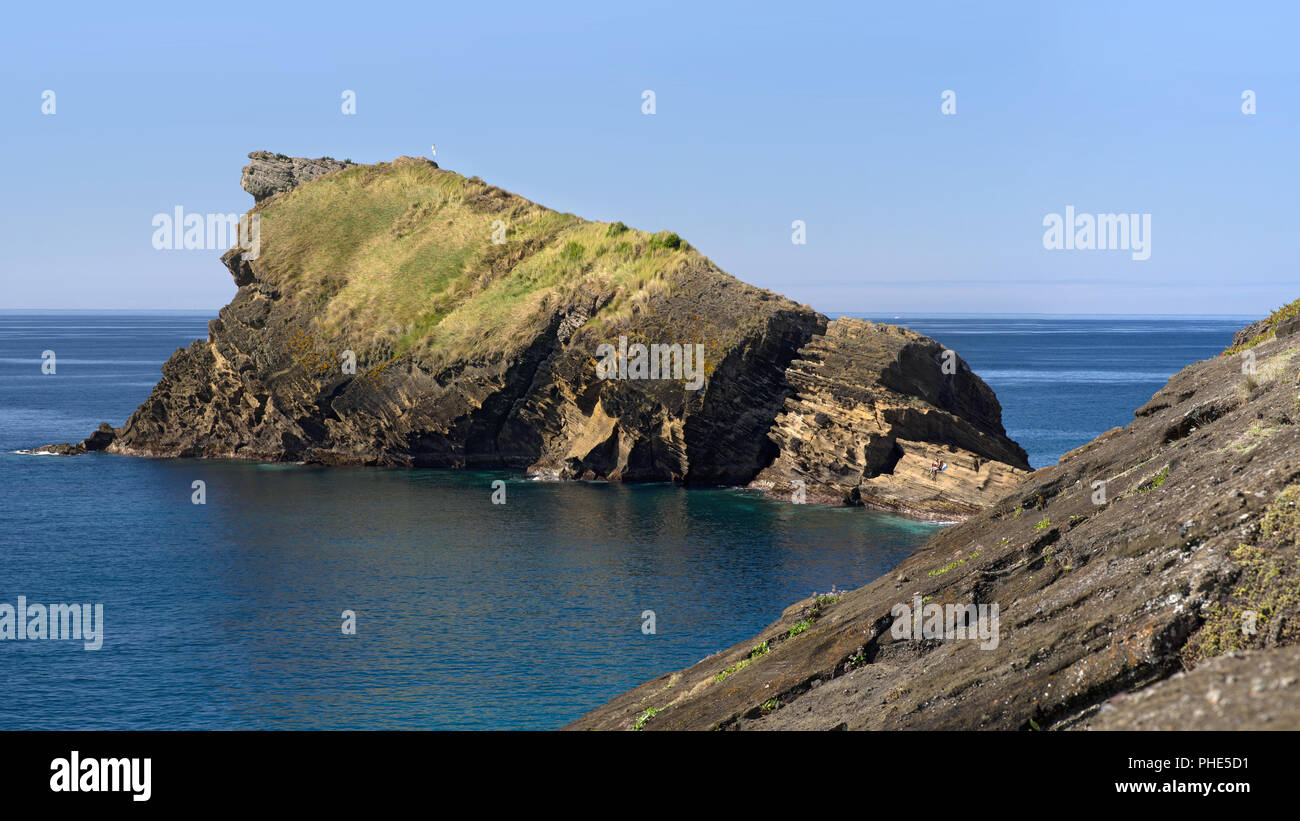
1167 546
874 406
400 314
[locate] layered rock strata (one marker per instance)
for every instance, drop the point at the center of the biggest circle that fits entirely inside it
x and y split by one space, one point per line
1164 547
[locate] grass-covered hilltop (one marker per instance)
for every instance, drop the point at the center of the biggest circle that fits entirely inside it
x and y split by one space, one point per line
401 314
1150 580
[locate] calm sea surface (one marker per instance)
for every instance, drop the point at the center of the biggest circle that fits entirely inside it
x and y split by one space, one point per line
469 615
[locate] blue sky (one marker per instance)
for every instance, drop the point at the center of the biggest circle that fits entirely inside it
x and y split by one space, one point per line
765 114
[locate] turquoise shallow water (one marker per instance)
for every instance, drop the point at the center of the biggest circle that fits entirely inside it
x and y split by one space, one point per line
469 614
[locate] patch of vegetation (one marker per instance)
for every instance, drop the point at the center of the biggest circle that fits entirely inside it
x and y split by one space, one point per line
403 254
828 598
1270 328
1043 524
664 239
645 717
1253 437
939 571
1155 481
754 655
1267 588
1019 510
769 705
799 628
1063 560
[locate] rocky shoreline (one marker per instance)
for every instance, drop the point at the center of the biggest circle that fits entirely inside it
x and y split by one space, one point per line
1150 580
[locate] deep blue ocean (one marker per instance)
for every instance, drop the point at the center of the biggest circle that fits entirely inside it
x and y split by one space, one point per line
227 615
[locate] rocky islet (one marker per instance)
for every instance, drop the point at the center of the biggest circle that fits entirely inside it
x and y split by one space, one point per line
849 411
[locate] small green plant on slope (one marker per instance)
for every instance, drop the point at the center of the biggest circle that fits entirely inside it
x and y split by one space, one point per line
939 571
754 655
1155 481
649 714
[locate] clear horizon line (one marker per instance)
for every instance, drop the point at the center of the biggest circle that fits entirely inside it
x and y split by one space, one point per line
877 313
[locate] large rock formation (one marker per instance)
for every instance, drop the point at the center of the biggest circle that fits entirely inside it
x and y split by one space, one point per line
270 174
400 314
1145 553
874 407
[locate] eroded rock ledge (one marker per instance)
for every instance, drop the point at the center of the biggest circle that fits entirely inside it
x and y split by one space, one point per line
270 174
873 408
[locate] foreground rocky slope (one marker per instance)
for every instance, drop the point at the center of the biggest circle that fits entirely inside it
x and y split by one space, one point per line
400 314
1154 549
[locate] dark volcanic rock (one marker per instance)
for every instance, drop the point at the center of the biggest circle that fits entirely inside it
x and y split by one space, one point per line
99 440
1143 553
873 408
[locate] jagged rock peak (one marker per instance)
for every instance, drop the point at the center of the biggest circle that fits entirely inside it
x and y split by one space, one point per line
269 174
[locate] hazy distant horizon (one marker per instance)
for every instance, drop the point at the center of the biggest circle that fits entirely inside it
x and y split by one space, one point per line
858 314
